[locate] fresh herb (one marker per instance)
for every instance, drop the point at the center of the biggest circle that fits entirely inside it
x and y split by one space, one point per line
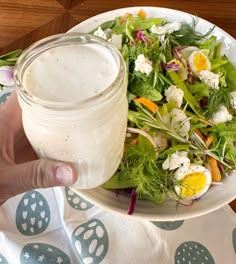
217 98
139 168
188 36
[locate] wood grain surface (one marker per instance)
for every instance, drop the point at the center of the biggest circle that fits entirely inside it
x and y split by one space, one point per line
23 22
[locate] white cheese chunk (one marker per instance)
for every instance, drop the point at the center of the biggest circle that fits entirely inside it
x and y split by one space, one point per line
174 94
222 115
179 122
100 33
143 64
210 78
167 28
176 160
161 140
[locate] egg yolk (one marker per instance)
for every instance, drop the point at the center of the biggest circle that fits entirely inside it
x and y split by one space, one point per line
200 62
192 184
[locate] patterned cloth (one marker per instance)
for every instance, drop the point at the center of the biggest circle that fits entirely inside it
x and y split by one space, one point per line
58 226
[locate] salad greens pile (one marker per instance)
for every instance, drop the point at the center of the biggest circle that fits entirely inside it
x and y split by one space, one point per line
182 103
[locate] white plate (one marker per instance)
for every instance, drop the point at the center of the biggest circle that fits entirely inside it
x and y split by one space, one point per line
217 196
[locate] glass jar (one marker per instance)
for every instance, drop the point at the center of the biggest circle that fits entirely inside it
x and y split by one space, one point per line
88 131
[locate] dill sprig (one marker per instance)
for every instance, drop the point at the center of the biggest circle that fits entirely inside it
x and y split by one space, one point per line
188 36
217 98
150 50
150 180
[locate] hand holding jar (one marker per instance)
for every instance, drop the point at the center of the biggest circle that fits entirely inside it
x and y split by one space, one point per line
72 91
20 169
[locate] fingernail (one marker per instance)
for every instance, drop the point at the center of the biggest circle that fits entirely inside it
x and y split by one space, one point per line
64 175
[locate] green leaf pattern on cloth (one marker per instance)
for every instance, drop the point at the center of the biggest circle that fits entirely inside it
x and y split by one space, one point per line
91 241
194 253
32 214
35 253
76 201
234 239
3 259
168 225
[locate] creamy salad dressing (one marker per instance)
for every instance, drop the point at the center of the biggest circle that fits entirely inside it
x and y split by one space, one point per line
92 139
70 73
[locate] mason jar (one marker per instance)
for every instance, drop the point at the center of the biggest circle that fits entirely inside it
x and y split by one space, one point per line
72 91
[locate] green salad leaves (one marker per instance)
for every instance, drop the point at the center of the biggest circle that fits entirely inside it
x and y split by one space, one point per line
182 103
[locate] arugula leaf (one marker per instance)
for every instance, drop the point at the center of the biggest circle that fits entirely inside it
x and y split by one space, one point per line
144 89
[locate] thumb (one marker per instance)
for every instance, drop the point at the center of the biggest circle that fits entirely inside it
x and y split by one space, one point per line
36 174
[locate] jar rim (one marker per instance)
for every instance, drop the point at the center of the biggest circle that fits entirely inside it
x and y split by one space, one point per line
41 46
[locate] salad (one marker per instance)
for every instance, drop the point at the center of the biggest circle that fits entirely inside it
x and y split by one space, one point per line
181 131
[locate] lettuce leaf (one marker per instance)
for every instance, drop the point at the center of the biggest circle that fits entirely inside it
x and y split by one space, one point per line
231 75
199 90
130 24
217 62
209 45
145 89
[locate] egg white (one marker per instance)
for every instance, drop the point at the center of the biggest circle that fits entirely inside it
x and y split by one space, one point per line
183 171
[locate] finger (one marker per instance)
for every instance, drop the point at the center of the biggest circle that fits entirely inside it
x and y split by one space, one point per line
36 174
11 110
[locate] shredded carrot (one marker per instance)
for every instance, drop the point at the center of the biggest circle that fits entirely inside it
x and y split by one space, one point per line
148 103
215 171
199 133
209 140
121 20
128 15
142 13
134 141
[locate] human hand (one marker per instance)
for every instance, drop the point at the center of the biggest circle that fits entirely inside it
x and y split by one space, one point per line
20 169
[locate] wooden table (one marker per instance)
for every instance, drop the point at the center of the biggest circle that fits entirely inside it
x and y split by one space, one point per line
22 22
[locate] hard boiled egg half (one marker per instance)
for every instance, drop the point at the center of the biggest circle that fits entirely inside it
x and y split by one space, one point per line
198 62
194 181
